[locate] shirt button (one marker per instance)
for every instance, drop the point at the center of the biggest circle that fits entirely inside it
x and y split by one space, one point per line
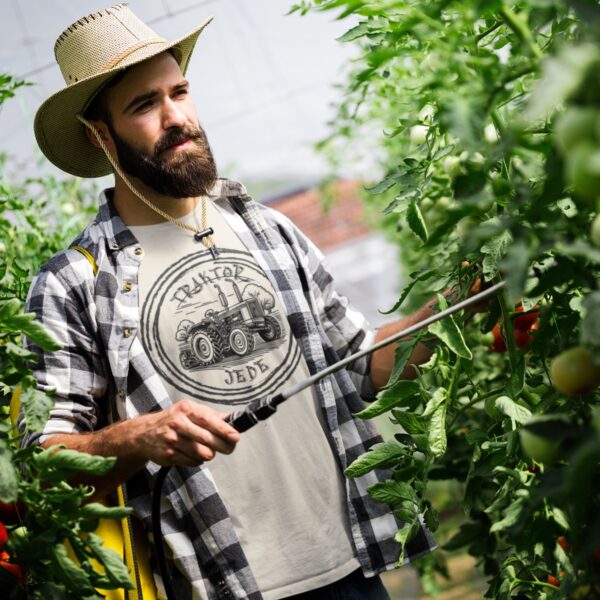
138 251
114 246
122 394
221 582
126 333
127 286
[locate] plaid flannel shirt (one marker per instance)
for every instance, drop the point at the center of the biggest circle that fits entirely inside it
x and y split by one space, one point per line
96 320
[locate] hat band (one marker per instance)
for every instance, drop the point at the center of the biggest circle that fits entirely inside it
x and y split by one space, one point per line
115 60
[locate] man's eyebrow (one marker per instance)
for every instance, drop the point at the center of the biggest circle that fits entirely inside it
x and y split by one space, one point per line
150 94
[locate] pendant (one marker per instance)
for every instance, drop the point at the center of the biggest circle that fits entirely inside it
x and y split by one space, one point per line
199 235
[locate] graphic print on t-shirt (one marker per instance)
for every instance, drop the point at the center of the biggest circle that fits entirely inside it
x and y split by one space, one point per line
214 330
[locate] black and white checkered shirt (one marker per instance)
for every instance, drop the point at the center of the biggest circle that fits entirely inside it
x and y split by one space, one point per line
96 318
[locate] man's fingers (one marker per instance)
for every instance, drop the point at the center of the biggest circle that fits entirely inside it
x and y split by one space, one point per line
212 421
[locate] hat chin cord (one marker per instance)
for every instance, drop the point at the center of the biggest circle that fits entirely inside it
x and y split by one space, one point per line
204 235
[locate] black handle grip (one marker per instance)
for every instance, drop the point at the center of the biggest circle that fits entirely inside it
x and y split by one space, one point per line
256 411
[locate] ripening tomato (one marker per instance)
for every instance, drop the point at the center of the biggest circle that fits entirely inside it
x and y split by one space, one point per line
562 541
574 372
3 535
553 581
527 321
499 344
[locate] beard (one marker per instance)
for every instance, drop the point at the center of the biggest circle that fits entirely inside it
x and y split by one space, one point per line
183 174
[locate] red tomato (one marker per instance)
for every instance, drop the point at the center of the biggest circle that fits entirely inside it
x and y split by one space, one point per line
525 322
14 570
499 345
561 540
553 581
522 338
3 535
11 513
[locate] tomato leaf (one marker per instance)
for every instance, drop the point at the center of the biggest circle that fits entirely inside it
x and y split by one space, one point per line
9 483
412 423
511 517
388 398
516 412
392 492
379 456
36 408
113 563
67 460
72 575
415 220
448 332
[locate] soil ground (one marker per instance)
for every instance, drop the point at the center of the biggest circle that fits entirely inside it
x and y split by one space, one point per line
466 582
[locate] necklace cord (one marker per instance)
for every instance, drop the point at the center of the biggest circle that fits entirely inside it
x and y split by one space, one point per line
207 240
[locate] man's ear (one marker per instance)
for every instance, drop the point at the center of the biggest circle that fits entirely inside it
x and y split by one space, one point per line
102 130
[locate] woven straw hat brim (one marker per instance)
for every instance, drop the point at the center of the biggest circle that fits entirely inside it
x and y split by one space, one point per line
59 134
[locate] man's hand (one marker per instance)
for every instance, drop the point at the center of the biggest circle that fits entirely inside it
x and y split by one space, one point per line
186 434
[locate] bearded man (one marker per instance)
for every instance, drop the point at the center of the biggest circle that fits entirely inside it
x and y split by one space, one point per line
158 306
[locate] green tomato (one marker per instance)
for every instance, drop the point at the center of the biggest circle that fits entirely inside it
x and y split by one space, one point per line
490 133
582 170
573 126
19 532
574 372
418 134
539 448
487 339
595 231
452 165
425 204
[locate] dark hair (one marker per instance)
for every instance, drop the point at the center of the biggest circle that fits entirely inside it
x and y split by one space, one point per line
98 107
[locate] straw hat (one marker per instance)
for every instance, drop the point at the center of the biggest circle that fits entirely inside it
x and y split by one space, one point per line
89 53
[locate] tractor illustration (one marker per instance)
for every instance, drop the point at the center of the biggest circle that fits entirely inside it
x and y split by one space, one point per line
225 332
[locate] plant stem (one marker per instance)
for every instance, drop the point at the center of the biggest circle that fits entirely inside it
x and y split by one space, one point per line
521 30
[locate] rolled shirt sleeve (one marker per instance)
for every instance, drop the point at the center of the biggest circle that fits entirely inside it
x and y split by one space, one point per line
75 375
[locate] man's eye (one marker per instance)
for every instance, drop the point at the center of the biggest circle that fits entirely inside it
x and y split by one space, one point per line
143 106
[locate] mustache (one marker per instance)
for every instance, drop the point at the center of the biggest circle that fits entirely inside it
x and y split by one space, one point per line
176 136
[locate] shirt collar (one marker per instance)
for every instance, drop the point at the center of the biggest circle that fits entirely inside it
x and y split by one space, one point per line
119 235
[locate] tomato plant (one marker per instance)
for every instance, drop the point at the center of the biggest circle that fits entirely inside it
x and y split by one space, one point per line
39 510
508 93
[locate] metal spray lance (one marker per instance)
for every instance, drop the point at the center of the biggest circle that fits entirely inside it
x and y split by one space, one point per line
261 409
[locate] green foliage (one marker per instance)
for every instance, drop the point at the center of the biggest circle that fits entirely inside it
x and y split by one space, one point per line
491 155
49 521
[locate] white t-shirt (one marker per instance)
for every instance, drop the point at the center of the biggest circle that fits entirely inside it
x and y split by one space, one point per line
216 332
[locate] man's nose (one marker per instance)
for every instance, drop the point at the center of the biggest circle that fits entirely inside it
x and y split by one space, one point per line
173 115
